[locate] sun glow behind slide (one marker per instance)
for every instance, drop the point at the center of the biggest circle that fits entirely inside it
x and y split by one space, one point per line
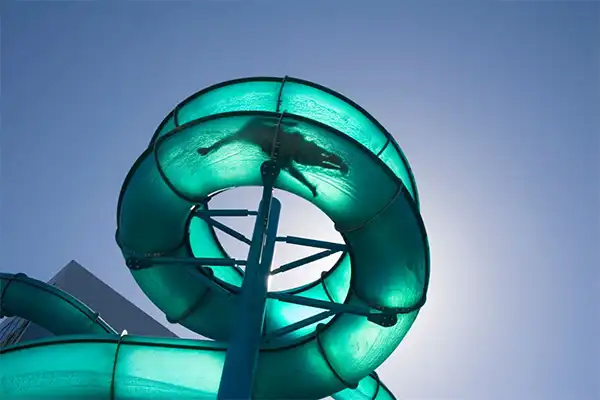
298 218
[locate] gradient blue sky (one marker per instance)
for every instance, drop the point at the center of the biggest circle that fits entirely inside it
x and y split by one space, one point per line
496 104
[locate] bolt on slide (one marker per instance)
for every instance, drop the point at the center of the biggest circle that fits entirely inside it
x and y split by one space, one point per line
325 338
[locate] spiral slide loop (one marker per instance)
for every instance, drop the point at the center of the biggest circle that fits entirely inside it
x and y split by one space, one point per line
332 153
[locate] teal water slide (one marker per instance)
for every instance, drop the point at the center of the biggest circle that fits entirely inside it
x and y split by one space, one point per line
322 339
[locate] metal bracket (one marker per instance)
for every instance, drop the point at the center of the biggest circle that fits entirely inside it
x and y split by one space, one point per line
276 143
279 101
95 318
114 369
385 320
398 192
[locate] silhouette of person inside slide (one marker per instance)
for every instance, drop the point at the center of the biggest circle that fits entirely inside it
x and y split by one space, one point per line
293 148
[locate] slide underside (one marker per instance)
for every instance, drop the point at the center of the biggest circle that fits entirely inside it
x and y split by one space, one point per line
328 147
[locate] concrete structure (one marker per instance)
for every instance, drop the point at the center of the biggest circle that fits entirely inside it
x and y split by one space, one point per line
115 309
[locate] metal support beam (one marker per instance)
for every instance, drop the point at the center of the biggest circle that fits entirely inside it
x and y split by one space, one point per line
302 261
224 228
320 244
298 325
148 262
325 305
225 213
382 318
237 380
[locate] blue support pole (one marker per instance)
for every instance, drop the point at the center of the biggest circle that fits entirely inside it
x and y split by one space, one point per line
237 380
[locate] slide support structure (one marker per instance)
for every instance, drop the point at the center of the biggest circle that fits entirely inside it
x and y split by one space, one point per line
237 379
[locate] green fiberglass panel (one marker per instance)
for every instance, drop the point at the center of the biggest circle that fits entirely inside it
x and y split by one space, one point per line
355 345
336 112
367 389
194 176
47 306
384 394
323 107
187 297
147 194
289 313
237 163
167 126
172 286
370 388
76 370
398 250
243 96
203 244
296 97
393 158
184 372
295 372
337 282
153 368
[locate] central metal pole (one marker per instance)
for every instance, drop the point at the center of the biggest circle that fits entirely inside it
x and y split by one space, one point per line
237 379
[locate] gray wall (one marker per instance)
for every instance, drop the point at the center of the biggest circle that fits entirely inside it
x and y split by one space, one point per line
115 309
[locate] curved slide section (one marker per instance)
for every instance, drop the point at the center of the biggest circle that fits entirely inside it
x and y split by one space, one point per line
103 365
330 152
48 306
388 262
296 97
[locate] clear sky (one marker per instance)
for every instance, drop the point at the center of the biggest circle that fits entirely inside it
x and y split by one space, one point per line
496 105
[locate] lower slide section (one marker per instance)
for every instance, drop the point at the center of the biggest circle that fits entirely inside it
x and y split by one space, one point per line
96 363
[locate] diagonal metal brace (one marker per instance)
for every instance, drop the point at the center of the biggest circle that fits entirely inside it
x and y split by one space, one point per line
302 261
381 318
320 244
225 213
224 228
148 262
298 325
